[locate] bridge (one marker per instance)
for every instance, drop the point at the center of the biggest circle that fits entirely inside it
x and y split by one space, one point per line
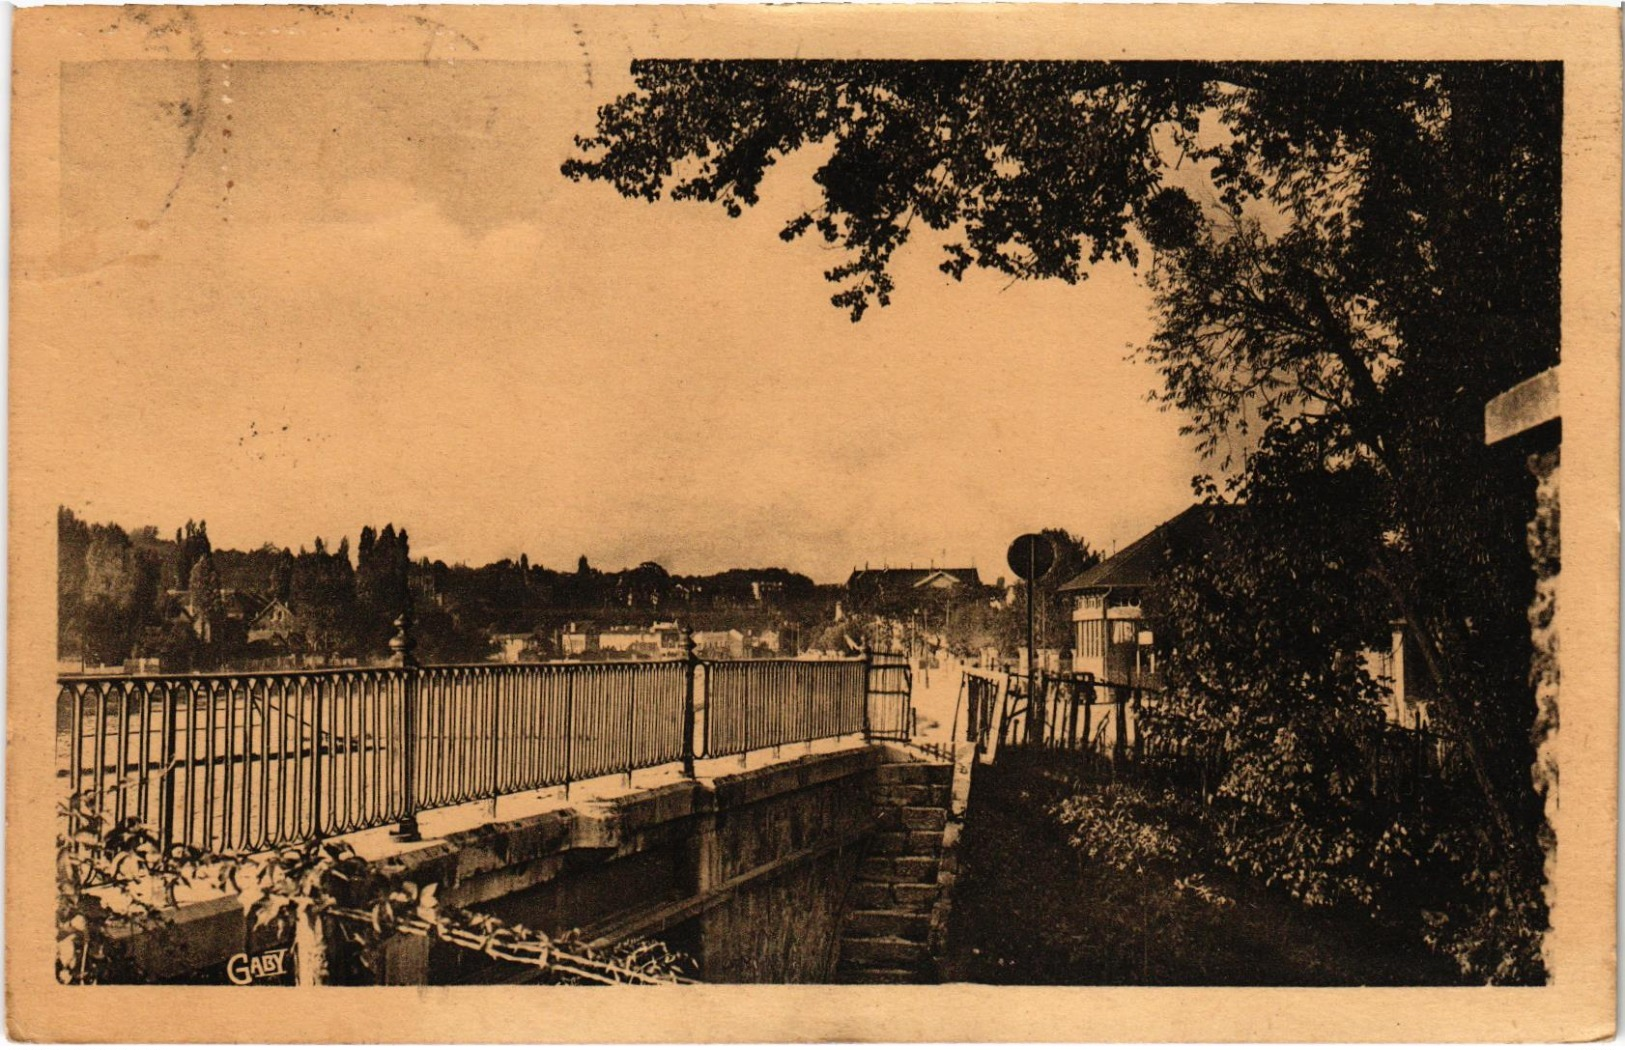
769 818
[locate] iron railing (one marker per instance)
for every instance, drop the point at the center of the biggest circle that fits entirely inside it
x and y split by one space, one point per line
223 761
244 761
752 704
1121 726
891 693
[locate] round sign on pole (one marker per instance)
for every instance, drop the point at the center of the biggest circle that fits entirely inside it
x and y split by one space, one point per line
1031 556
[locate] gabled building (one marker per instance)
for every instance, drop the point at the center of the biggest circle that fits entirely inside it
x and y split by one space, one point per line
276 625
901 591
1116 641
1112 638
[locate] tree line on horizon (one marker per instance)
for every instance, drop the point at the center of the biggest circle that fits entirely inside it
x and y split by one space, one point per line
138 594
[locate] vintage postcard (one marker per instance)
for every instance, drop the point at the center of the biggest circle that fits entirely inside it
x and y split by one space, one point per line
833 523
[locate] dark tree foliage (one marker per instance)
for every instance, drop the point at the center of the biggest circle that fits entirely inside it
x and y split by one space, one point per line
383 563
191 543
107 591
72 541
322 596
112 606
1348 259
1037 169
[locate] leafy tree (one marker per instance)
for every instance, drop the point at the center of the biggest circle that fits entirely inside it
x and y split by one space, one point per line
1348 260
72 543
191 543
116 598
282 575
203 588
643 587
383 564
322 596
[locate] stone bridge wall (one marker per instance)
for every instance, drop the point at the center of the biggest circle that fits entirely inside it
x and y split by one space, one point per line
750 873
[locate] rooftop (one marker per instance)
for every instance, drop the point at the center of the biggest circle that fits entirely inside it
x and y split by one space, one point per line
1147 559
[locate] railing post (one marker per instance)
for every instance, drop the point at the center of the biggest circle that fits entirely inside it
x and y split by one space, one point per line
867 657
497 724
631 722
690 665
166 817
400 655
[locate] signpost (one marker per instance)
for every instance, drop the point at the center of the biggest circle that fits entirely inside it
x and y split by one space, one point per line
1030 557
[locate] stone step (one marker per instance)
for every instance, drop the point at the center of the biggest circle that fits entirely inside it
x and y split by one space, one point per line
890 922
897 869
906 844
915 773
915 898
912 795
911 818
915 893
881 951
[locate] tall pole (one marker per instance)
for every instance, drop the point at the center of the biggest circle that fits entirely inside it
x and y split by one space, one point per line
1035 713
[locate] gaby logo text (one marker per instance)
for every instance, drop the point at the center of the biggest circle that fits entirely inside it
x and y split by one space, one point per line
243 968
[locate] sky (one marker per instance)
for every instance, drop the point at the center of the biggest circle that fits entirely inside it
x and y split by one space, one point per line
294 298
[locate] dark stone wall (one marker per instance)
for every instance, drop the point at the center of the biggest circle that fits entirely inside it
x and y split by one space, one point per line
750 873
783 929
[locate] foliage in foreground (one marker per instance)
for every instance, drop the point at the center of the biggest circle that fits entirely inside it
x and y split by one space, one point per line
1121 884
1428 879
116 883
1348 260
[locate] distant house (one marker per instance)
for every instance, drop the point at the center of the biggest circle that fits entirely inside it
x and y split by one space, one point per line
622 639
730 644
276 625
228 622
902 591
656 640
668 638
1116 641
1112 638
242 605
639 641
512 647
576 639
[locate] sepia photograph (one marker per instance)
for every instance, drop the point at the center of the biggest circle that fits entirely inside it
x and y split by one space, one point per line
696 499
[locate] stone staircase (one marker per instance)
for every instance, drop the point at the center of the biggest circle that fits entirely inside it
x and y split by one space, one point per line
892 910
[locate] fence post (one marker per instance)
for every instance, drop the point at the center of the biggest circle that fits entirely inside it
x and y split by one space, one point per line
400 655
1040 719
1088 719
1120 744
1139 728
690 665
867 657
